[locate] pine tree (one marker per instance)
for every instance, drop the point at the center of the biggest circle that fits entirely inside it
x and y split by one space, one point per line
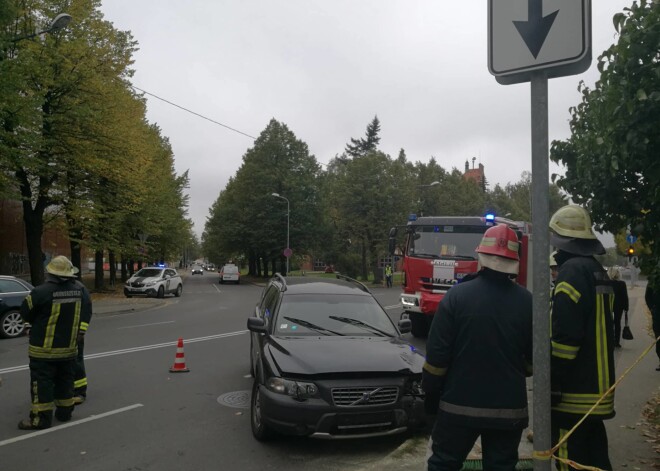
361 147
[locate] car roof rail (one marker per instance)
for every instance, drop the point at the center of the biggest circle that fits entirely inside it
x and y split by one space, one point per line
281 279
361 285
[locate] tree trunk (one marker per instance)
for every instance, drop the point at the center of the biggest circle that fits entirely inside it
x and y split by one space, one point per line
124 268
252 263
34 228
74 243
113 267
98 270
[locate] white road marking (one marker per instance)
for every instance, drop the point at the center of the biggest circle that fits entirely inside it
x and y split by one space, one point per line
217 289
15 369
68 424
144 325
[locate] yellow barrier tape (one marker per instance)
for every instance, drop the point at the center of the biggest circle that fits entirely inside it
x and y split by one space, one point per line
575 465
545 455
542 455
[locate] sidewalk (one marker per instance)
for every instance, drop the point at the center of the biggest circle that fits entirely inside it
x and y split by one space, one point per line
629 447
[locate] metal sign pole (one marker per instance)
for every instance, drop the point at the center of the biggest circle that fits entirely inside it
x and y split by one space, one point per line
541 267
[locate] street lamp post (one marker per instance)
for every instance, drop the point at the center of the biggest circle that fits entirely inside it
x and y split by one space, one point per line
288 250
59 22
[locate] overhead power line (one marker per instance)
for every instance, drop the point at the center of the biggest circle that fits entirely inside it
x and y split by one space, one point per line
192 112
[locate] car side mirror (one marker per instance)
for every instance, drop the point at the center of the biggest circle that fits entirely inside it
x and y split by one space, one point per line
256 325
405 326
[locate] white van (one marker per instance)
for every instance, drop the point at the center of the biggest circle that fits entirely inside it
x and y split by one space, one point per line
230 272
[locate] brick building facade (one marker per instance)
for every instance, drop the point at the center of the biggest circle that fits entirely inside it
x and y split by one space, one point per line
13 245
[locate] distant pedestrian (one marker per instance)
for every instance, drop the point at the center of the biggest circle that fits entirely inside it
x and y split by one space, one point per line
652 298
582 342
478 354
56 310
388 275
620 302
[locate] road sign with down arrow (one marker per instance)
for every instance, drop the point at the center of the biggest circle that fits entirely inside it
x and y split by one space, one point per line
525 36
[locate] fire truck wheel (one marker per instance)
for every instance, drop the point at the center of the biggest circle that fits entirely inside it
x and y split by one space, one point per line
420 324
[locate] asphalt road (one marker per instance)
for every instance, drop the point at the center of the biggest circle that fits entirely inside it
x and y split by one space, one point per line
139 416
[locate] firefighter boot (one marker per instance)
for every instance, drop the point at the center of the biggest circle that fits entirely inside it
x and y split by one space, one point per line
38 421
63 414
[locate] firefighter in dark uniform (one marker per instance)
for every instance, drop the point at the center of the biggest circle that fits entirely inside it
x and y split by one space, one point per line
478 354
56 310
582 361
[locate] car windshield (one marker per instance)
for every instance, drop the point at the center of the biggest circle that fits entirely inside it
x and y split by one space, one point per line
307 314
446 241
149 272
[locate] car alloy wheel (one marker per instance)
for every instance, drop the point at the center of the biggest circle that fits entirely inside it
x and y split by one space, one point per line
260 430
179 290
11 324
161 292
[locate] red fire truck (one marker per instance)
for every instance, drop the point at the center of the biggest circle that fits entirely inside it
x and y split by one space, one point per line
438 252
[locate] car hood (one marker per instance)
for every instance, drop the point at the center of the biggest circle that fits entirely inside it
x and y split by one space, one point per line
325 355
143 279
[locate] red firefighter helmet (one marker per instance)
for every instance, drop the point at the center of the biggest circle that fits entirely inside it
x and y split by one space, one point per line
498 249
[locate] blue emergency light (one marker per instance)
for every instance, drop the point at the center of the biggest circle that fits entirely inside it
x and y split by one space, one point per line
412 217
490 218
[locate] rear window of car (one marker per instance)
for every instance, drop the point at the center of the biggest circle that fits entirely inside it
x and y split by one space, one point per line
230 269
304 314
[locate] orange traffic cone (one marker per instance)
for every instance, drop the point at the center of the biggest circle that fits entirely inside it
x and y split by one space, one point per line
179 365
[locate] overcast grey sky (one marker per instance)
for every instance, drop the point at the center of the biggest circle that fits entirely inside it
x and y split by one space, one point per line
325 68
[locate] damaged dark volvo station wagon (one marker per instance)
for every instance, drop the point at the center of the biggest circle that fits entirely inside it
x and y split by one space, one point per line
328 362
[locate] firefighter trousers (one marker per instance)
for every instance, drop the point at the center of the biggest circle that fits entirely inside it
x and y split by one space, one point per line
452 444
587 445
51 388
79 374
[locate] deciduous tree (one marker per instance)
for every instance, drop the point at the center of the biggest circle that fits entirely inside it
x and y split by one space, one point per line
611 158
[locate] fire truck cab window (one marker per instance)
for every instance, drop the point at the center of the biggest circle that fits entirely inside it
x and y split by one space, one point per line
445 241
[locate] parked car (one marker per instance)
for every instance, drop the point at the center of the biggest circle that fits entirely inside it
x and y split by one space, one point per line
154 281
197 270
12 293
328 362
230 272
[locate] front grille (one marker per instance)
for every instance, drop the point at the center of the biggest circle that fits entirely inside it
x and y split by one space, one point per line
436 285
136 284
365 396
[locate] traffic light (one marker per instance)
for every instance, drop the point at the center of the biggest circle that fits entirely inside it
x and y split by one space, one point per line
631 252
